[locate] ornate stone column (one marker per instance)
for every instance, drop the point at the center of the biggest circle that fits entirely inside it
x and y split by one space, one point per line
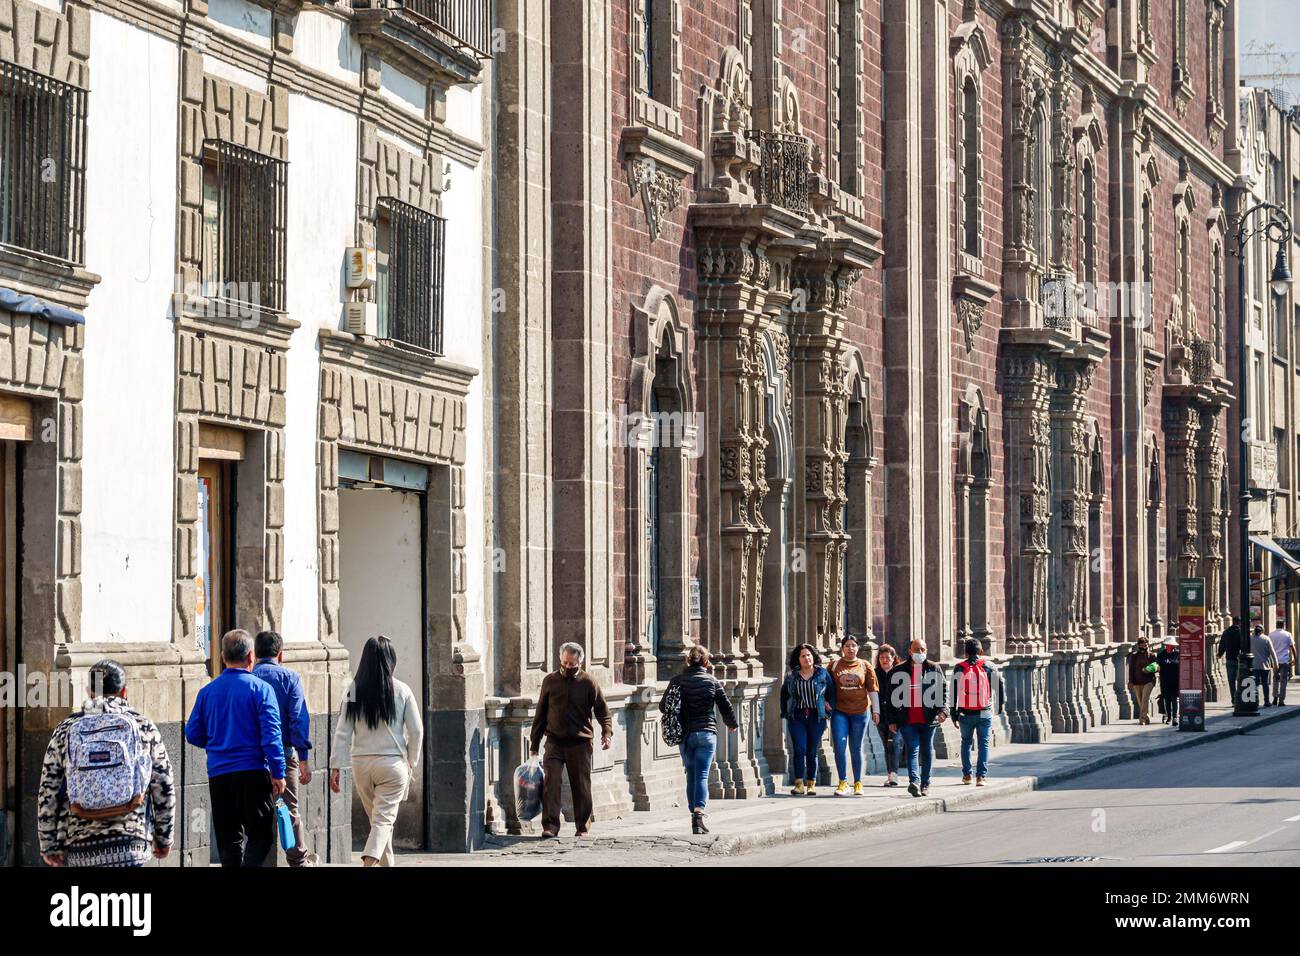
1028 376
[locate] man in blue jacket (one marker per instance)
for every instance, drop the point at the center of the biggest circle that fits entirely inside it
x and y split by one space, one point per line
236 719
295 725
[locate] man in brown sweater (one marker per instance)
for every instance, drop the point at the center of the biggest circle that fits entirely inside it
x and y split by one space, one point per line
565 705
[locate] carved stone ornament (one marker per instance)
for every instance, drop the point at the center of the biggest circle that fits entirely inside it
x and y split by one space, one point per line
971 315
660 191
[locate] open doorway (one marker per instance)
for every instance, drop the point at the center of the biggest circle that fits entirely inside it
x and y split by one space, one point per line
382 558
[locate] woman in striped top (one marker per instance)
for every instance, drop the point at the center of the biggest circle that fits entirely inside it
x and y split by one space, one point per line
807 699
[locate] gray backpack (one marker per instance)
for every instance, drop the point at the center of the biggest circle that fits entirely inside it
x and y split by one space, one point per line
108 766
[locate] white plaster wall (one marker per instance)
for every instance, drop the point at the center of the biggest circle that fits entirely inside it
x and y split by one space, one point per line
465 108
462 206
323 42
402 89
321 212
127 483
243 20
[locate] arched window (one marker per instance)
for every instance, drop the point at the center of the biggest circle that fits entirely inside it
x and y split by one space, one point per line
1040 178
1185 277
1155 541
1148 280
969 159
1216 299
974 471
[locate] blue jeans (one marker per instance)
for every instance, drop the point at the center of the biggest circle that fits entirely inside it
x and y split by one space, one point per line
697 750
847 730
971 724
806 729
919 741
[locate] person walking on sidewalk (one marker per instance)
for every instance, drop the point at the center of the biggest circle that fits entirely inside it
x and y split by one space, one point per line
237 721
807 699
144 798
918 698
702 696
1230 649
1284 652
857 698
380 735
565 705
886 661
1167 664
295 726
1265 663
976 696
1141 679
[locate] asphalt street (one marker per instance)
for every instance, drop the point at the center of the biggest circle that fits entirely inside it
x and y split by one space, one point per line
1234 802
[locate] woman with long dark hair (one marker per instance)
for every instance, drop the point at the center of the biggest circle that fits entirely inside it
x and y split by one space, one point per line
807 699
379 735
702 697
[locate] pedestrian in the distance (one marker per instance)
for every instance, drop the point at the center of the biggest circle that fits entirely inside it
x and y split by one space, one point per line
1230 649
702 696
857 699
568 700
134 798
236 719
807 699
918 696
886 661
976 697
1261 648
1141 678
1284 654
380 735
1167 662
295 726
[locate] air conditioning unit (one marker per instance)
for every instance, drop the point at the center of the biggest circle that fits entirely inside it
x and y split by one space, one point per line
361 318
362 267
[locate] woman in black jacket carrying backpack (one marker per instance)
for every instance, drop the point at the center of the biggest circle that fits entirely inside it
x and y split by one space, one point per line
701 693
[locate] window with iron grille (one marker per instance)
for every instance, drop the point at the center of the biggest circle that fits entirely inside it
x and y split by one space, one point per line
409 288
244 200
42 163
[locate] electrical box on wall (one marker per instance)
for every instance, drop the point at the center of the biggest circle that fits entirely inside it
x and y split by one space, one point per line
362 267
361 318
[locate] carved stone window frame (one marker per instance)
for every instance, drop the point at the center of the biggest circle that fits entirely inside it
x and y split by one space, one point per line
1215 15
660 110
1184 202
846 97
971 57
1216 224
972 487
662 344
1089 138
1182 76
860 461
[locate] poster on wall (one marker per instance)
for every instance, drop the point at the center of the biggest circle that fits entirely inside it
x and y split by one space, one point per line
201 583
1191 654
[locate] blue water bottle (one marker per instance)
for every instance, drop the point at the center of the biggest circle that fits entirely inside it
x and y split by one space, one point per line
284 823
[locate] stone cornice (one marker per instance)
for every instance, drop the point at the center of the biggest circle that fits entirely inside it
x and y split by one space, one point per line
667 151
127 653
236 321
406 45
419 369
53 280
1174 138
193 32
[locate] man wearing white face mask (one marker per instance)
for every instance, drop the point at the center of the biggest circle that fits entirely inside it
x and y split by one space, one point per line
918 698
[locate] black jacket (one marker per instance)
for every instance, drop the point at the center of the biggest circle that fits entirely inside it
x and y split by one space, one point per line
1230 643
1168 661
887 716
701 693
934 692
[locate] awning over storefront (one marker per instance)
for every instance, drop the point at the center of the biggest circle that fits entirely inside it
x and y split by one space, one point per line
30 305
1276 550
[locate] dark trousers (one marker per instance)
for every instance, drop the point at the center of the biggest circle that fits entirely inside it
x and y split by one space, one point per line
1261 685
919 741
1170 697
893 744
243 817
1281 677
1232 665
298 854
573 756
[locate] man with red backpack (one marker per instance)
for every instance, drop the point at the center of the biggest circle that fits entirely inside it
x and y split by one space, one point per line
977 696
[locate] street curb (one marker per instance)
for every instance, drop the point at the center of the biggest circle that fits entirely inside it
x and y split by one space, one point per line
727 845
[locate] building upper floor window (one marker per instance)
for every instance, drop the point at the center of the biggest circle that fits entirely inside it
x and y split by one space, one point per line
42 163
1089 265
244 199
411 248
969 165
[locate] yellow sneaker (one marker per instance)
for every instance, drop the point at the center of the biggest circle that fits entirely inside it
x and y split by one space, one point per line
811 791
798 790
857 788
843 789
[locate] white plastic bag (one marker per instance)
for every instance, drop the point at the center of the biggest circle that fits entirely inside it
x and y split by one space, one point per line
528 789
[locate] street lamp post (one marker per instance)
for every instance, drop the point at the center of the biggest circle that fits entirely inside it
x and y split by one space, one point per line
1276 227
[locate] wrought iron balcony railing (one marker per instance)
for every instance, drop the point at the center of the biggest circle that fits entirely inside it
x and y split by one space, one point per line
42 164
466 23
1204 365
784 177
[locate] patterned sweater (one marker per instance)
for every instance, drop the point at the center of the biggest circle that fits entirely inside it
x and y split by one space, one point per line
58 829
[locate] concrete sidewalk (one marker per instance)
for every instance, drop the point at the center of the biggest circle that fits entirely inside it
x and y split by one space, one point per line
740 825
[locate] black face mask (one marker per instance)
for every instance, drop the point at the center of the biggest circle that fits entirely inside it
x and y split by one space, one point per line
569 671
